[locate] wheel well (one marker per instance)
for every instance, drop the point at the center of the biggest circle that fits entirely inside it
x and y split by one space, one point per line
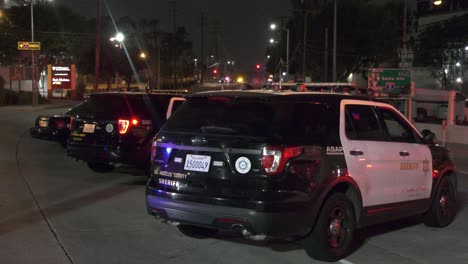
353 195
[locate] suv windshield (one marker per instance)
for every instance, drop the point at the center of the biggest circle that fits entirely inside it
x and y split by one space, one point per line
295 121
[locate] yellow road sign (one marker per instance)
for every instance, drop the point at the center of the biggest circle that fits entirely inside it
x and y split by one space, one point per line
27 45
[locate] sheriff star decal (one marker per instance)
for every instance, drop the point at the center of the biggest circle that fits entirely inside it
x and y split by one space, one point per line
425 166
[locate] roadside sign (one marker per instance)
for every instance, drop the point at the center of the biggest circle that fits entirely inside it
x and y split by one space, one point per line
390 82
28 45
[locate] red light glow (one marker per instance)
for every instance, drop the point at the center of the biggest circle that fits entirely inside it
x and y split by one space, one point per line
123 125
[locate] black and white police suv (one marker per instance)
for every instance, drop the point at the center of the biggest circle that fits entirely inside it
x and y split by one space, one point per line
298 165
118 128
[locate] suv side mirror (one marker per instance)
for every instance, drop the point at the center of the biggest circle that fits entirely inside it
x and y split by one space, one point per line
429 136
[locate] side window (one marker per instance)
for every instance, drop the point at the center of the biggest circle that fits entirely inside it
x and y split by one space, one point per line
396 127
362 124
313 122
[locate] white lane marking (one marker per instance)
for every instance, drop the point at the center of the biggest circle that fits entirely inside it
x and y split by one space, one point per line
463 172
344 261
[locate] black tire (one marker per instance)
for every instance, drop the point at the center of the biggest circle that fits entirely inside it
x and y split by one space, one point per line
197 231
332 237
443 207
100 167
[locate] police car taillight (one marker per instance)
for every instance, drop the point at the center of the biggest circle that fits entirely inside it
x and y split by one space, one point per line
124 124
59 124
275 158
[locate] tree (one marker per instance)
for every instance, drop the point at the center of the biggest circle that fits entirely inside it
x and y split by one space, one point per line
368 34
440 47
59 29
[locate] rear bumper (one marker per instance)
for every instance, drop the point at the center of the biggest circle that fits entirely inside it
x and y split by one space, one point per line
93 153
280 223
41 132
103 154
49 133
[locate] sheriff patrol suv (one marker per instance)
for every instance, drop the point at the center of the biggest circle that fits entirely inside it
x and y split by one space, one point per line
308 165
117 128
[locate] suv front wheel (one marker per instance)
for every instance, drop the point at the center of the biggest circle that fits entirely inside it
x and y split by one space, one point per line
444 206
333 234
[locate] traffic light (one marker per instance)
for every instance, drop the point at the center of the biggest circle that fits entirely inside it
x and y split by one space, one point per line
215 71
257 66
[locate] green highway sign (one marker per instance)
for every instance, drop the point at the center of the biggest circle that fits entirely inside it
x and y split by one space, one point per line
28 45
390 82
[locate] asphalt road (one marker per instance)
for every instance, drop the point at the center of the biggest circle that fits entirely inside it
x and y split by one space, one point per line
55 210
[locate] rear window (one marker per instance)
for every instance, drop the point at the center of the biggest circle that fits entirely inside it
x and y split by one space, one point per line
107 104
77 109
301 122
149 105
122 105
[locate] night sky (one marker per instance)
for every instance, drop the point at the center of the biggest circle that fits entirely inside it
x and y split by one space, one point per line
243 24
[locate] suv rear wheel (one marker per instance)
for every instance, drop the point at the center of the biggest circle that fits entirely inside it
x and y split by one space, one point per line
333 234
443 207
100 167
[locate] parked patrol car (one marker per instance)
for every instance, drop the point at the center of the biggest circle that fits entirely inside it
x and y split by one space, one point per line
298 165
117 128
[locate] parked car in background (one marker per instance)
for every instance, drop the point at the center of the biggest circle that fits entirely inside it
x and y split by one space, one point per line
55 127
307 165
117 128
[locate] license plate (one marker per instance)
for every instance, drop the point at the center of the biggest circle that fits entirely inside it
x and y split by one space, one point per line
43 123
88 128
167 182
197 163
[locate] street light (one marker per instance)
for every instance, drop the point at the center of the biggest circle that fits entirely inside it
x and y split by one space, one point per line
119 37
143 55
273 27
437 2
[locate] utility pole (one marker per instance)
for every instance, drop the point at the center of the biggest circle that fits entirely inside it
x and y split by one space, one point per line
216 38
98 46
159 61
173 12
202 47
325 74
334 42
305 45
403 55
33 68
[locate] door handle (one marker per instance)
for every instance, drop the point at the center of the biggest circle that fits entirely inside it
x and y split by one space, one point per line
404 153
356 153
